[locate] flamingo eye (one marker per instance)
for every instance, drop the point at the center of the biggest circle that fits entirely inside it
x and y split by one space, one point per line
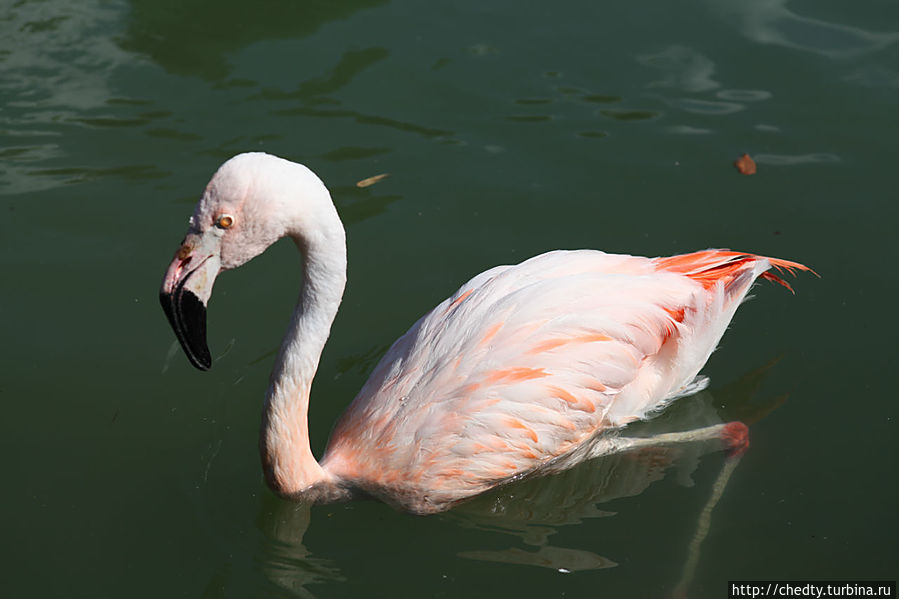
224 221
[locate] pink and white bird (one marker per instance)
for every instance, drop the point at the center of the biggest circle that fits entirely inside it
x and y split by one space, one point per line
525 369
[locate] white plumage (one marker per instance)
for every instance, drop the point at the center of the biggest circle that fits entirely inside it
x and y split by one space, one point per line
525 368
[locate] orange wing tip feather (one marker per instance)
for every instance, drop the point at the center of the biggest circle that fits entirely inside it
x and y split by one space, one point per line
770 276
710 266
785 265
791 266
696 261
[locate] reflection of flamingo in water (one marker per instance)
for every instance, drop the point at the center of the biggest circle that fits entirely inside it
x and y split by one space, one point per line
522 370
532 510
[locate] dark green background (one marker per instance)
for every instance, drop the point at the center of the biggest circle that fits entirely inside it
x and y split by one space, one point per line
508 129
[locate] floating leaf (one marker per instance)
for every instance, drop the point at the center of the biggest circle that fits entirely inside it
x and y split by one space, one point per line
745 165
371 180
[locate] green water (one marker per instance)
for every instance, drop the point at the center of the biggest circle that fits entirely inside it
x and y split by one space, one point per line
508 129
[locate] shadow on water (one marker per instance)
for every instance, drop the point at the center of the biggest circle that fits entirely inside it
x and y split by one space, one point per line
194 38
535 509
351 64
315 98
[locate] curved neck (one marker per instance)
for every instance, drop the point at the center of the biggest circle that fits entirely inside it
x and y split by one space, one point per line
289 466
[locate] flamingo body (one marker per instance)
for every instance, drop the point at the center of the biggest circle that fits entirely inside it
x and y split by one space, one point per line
526 365
522 370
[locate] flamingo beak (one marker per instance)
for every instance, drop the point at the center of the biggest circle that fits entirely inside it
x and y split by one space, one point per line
185 292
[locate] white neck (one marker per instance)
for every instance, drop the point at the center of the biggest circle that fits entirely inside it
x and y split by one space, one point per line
290 468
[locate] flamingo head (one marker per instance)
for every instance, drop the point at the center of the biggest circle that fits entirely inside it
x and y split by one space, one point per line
253 200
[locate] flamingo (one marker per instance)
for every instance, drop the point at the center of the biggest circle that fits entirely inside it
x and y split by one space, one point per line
526 369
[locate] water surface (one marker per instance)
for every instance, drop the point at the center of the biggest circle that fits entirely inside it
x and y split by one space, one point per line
507 130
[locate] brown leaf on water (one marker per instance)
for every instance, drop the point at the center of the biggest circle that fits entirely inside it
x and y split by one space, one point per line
745 165
371 180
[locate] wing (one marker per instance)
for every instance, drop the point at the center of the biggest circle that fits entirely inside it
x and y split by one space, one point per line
526 363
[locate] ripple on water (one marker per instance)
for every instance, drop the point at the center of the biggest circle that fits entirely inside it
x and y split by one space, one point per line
684 69
793 159
533 101
874 76
529 118
34 45
771 22
561 559
364 119
44 89
567 90
27 153
357 204
744 95
354 153
688 130
173 134
708 107
630 115
112 121
600 98
69 175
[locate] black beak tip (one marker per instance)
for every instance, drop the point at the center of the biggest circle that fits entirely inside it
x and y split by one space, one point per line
201 360
187 317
